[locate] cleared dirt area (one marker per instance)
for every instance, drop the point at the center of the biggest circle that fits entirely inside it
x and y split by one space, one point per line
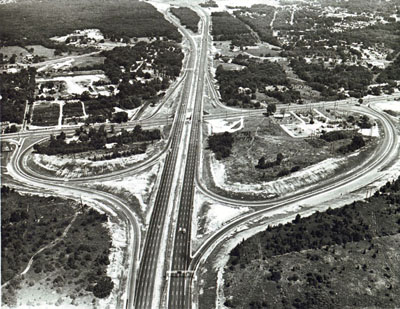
89 163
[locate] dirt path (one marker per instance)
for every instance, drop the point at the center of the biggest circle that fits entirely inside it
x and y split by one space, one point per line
273 20
51 244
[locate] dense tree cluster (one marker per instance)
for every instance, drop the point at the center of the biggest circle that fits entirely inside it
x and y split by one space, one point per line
93 139
103 287
187 17
226 27
237 87
260 22
209 4
356 143
336 135
164 57
22 233
391 73
46 19
329 81
221 144
335 226
16 91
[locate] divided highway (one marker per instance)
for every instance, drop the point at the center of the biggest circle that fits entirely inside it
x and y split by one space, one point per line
147 276
180 278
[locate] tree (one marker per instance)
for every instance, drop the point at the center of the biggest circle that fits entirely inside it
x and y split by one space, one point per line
271 108
103 287
85 96
261 162
120 117
297 219
279 158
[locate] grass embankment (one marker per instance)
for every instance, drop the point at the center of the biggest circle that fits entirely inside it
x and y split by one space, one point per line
344 257
68 243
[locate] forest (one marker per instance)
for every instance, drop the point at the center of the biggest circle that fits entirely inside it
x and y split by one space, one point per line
45 19
350 223
256 76
326 260
92 139
226 27
328 81
79 259
260 22
187 17
16 91
391 73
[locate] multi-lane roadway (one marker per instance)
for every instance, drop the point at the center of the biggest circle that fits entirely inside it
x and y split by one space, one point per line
144 285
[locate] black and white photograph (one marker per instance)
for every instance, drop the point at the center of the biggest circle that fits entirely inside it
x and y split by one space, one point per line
200 154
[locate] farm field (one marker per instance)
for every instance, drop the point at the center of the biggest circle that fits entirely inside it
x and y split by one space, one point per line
72 111
45 114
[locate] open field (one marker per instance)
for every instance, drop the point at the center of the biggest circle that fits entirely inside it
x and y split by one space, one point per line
88 61
263 50
268 159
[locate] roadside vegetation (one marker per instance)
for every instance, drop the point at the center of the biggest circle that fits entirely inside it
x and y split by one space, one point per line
76 242
221 144
46 19
92 139
187 17
303 264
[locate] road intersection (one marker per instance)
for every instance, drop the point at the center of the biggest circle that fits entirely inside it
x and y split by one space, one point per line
146 267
